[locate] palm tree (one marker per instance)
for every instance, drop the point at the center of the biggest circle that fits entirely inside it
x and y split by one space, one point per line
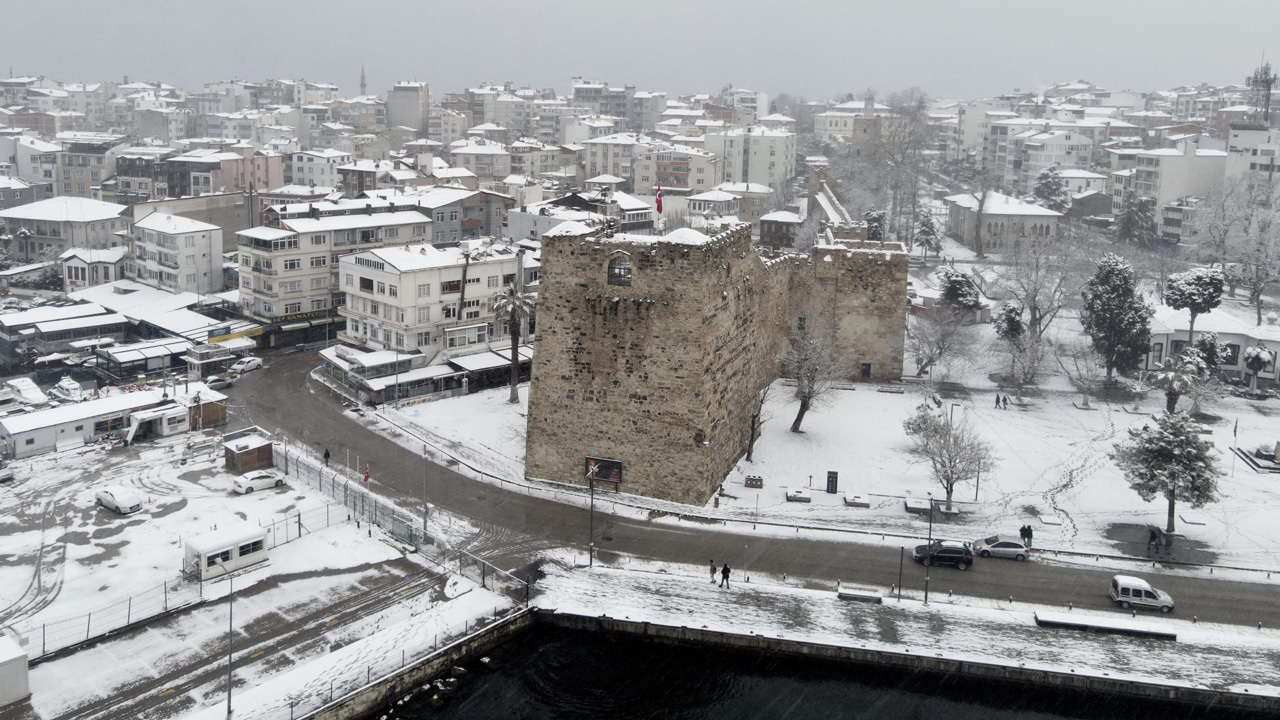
514 308
1177 376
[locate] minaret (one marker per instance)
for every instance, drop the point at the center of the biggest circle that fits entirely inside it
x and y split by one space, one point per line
362 78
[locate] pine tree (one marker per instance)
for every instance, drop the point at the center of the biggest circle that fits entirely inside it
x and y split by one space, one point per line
1171 460
958 290
930 233
1136 222
1198 290
1051 190
1116 318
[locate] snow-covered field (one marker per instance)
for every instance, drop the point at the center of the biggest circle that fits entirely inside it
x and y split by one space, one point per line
1054 471
961 628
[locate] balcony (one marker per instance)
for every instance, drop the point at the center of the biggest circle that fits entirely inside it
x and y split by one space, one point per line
263 270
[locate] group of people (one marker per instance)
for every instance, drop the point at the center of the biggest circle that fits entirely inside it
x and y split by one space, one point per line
724 574
1157 540
1025 533
1002 401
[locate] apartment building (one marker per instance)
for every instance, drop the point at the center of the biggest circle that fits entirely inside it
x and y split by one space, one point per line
614 154
287 268
315 167
1252 150
33 159
756 154
142 175
210 170
175 253
85 161
677 169
48 228
408 105
431 299
488 160
1038 151
1169 174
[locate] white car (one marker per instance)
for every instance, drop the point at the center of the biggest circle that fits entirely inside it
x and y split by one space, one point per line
217 382
122 500
258 480
245 364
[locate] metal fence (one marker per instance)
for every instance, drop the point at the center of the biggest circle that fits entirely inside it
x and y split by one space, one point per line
294 525
49 636
489 577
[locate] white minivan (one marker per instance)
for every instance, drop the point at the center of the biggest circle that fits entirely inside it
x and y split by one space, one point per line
1135 592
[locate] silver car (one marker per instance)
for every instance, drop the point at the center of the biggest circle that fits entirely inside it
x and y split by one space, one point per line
1002 546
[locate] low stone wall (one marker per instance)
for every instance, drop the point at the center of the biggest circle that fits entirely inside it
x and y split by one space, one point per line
381 693
915 663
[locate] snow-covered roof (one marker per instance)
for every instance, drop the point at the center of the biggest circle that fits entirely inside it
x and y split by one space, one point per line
1079 174
108 255
606 179
777 117
65 209
348 222
174 224
125 402
714 196
1000 204
744 187
781 216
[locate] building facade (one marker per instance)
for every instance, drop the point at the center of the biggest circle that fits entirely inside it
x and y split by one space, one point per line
176 253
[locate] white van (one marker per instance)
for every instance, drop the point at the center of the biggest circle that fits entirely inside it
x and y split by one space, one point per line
1135 592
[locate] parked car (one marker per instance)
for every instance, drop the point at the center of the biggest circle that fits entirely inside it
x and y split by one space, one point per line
944 552
261 480
245 364
1002 546
217 382
6 472
1130 591
122 500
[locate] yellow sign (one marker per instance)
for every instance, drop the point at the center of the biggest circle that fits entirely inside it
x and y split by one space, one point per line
231 336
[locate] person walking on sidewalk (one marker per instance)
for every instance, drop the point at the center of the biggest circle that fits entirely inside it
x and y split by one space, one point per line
326 457
724 575
1006 402
713 572
997 401
1029 532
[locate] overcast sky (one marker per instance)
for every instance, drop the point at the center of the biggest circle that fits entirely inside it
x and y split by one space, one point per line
816 49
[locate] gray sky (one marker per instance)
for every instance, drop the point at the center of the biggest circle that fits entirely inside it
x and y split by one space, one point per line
816 49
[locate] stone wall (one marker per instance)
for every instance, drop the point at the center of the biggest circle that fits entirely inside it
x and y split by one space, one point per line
663 374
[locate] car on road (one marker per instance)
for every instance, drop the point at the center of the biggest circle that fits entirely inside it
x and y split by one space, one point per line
944 552
259 480
1131 592
245 364
1001 546
121 499
217 382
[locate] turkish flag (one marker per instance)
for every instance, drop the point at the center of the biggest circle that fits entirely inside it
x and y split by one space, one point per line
366 473
659 199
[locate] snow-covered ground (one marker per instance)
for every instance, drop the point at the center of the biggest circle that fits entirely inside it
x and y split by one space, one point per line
1054 471
961 628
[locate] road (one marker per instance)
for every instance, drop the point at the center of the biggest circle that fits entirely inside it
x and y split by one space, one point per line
515 526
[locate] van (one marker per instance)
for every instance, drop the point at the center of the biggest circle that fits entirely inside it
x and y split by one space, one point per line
1135 592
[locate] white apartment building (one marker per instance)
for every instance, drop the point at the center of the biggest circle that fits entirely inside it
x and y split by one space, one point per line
1252 148
1040 150
428 298
58 224
1169 174
754 155
677 169
488 160
290 272
175 253
315 167
614 154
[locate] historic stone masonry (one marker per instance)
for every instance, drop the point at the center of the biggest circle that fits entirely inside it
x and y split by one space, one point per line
651 350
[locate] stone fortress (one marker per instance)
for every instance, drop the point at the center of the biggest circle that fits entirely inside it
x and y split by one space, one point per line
652 351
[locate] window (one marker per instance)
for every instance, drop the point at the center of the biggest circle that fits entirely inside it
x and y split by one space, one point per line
191 278
450 311
350 280
450 286
386 337
250 548
399 340
292 264
390 232
393 291
317 240
453 215
419 230
366 284
424 290
291 308
246 282
382 288
473 281
320 261
462 337
373 308
291 286
620 270
245 260
509 279
493 281
319 304
319 282
213 559
424 338
424 314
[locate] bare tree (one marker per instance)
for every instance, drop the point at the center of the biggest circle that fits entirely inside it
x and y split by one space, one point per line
759 416
983 185
1085 367
1045 276
1222 215
811 362
954 450
934 334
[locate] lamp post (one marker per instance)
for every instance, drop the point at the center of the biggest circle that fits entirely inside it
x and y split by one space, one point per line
591 523
231 606
929 548
425 468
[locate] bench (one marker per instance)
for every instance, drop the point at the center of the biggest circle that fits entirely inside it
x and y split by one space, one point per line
801 496
860 596
856 501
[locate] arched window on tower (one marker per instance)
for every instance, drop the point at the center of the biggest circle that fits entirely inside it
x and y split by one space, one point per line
620 270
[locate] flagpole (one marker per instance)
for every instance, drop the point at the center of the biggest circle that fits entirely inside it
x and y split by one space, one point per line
1235 443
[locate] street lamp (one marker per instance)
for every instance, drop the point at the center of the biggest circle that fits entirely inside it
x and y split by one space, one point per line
231 606
425 467
929 548
591 523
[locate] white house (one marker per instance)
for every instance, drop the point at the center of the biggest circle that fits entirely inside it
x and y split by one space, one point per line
317 167
176 253
1169 329
82 267
58 224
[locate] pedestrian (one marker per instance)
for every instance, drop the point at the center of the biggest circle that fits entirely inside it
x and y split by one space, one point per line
1029 537
1022 534
1006 402
1153 540
713 572
326 457
724 575
997 401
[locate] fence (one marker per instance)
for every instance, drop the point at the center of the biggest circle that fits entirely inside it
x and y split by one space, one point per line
489 577
296 524
49 636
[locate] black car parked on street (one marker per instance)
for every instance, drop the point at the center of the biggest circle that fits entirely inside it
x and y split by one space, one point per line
944 552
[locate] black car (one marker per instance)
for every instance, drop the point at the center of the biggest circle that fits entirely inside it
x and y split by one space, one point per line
944 552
